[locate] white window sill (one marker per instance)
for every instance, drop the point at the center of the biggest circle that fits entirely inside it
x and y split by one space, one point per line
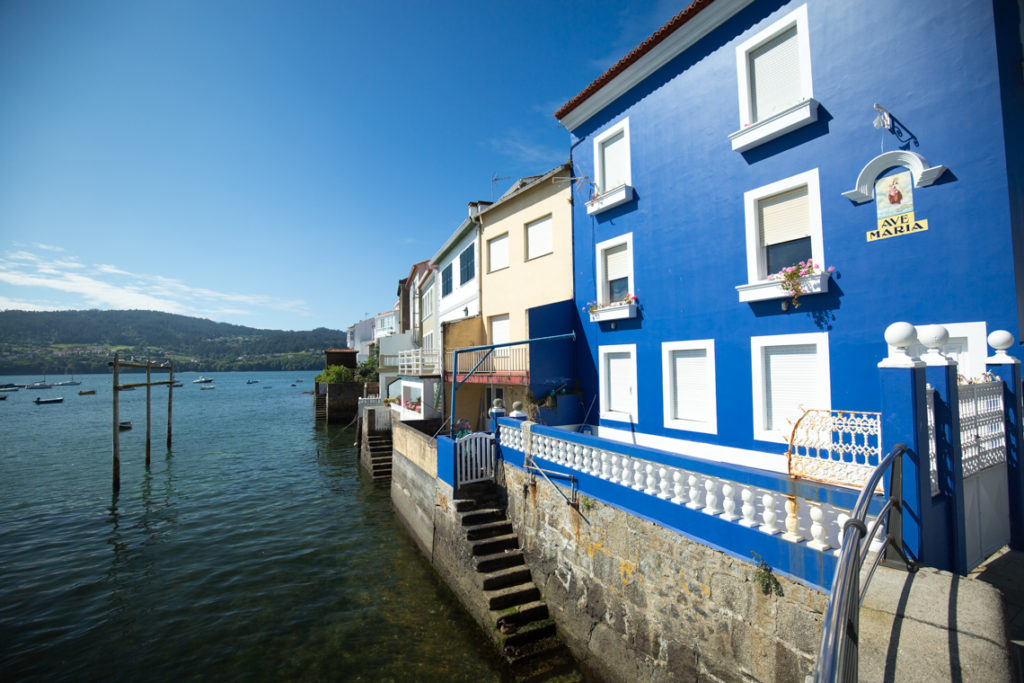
613 312
610 199
772 289
797 116
619 417
692 426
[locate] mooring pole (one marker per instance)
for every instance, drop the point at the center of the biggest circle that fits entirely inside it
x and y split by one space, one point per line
170 395
149 366
117 438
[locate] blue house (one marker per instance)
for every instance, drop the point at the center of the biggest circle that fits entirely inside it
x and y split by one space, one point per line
763 188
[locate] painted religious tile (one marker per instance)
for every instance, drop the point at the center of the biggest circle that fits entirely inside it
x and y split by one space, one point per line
894 195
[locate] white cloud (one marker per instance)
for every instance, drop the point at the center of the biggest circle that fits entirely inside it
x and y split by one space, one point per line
107 286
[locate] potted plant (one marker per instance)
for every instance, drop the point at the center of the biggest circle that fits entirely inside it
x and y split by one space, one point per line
790 278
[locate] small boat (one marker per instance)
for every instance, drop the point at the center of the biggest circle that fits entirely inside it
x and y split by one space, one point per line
268 387
4 389
177 384
127 424
67 383
207 388
40 401
252 381
88 392
38 385
127 388
3 397
203 379
298 380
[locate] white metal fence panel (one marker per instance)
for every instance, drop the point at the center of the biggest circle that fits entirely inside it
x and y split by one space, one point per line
982 433
933 463
475 458
836 446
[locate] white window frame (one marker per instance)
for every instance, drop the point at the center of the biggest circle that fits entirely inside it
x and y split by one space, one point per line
551 237
753 133
503 352
758 287
602 284
428 301
428 341
611 197
823 399
490 243
603 351
708 425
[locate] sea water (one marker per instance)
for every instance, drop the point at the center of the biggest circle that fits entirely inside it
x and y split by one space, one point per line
254 549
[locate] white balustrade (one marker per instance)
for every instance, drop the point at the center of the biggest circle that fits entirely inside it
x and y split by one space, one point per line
606 467
768 515
711 499
665 484
792 523
638 475
748 509
694 483
728 503
651 481
818 541
678 490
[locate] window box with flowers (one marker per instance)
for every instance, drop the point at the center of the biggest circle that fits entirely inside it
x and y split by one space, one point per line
609 200
616 310
790 283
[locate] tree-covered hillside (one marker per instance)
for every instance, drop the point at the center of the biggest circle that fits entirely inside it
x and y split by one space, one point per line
65 342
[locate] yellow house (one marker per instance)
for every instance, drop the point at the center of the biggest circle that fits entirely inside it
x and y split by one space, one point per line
525 247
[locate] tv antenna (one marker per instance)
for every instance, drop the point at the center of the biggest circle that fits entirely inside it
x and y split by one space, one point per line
494 181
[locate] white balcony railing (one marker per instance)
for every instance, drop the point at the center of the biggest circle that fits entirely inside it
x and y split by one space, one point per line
513 360
418 362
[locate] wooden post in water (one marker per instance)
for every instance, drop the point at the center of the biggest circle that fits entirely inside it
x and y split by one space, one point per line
117 433
170 395
149 367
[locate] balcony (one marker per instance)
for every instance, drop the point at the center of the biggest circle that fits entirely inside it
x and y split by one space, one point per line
509 365
418 362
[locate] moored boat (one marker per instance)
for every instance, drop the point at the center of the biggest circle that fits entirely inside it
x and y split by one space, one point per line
252 381
87 392
207 388
3 397
5 389
40 401
39 385
127 424
203 379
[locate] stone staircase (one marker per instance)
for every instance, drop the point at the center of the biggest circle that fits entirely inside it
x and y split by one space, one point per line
518 618
376 457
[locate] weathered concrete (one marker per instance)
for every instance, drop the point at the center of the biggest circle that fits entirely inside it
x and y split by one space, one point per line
638 602
343 401
933 626
413 483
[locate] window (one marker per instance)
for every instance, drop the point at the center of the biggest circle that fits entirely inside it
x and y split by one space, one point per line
428 302
428 341
611 158
467 264
790 375
497 253
617 376
446 281
500 334
774 77
615 269
538 238
688 385
783 227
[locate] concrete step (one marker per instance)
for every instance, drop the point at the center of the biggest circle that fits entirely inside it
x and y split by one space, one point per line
500 527
530 632
499 560
489 546
541 660
483 516
380 458
506 576
512 595
518 615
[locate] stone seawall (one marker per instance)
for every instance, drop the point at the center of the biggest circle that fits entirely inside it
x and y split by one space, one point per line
635 601
632 600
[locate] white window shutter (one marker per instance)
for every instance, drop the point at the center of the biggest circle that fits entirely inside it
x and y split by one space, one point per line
616 262
784 217
613 161
791 384
690 399
775 75
497 253
620 382
538 238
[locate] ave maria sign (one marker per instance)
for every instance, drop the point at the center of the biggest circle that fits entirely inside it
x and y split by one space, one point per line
894 204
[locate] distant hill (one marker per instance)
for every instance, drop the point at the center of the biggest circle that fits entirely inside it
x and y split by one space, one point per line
67 342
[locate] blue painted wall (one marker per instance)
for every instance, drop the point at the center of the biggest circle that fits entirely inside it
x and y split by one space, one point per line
937 66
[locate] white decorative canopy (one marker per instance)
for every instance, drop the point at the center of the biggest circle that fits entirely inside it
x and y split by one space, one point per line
923 174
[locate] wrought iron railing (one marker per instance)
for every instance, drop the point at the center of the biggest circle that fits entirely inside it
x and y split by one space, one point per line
836 446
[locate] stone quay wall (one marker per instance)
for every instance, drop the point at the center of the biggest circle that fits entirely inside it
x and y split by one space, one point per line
635 601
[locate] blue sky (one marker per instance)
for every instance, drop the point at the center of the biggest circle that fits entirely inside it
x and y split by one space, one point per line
273 164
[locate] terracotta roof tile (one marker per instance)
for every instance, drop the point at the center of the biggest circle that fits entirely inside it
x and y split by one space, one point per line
639 51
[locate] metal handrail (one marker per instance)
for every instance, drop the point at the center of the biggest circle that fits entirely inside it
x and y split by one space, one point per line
530 466
837 653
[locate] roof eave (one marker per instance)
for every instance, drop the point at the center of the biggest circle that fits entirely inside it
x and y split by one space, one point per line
705 19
